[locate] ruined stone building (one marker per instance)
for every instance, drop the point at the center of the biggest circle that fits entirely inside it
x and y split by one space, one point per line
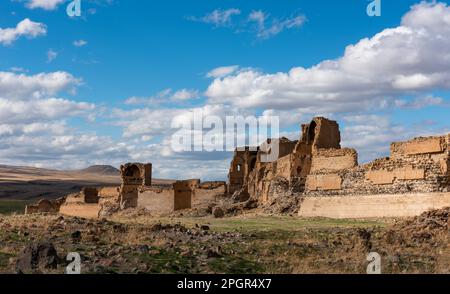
317 169
136 191
243 163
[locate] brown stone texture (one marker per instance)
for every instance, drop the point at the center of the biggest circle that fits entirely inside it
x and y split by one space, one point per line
109 192
373 206
134 176
323 182
317 167
184 192
165 200
293 164
323 134
90 195
409 173
381 177
83 210
208 192
157 200
418 146
242 164
45 206
334 159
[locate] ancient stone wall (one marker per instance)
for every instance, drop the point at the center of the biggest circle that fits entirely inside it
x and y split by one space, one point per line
207 192
296 160
333 160
158 200
45 206
415 166
318 167
83 210
373 206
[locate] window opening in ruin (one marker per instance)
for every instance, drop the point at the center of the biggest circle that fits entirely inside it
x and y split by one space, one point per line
238 167
132 171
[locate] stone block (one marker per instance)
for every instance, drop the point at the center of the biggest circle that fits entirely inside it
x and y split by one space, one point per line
334 160
380 177
409 173
323 182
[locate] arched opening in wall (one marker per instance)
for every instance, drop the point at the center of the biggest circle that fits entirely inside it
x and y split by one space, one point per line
132 171
311 132
239 168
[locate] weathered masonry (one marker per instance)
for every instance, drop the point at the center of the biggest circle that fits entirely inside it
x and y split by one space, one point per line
319 171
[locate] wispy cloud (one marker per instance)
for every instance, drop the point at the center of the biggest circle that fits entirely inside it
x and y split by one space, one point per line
79 43
267 27
420 102
51 55
165 96
218 17
262 24
220 72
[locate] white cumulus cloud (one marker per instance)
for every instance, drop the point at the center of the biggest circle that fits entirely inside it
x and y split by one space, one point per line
409 59
25 28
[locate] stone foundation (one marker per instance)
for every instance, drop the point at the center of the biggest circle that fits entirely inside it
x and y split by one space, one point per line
373 206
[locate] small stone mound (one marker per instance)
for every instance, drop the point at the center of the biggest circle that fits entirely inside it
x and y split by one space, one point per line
425 228
287 205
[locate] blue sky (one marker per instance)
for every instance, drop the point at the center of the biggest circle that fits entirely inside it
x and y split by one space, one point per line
103 88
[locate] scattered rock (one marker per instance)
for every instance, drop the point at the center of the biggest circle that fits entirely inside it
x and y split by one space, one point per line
37 257
76 236
218 212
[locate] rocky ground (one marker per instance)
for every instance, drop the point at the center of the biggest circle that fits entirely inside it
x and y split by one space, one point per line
136 242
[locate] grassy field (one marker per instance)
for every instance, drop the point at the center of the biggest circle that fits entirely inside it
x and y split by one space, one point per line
258 223
12 206
247 244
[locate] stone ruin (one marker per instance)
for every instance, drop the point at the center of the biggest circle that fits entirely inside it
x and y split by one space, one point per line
292 166
164 199
136 191
45 205
323 178
134 177
316 168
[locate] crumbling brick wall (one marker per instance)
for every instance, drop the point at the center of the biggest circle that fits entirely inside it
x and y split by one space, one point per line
45 206
209 191
295 160
242 164
318 166
415 166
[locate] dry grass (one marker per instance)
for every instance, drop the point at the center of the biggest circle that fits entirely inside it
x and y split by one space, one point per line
244 244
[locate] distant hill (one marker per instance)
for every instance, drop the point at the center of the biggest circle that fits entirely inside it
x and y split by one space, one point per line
30 183
105 170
